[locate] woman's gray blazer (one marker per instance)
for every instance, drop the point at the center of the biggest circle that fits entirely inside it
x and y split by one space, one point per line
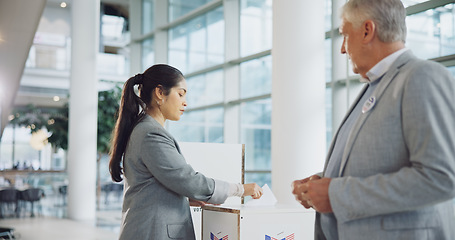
158 183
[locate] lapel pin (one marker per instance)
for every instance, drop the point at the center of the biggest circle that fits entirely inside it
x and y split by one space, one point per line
369 104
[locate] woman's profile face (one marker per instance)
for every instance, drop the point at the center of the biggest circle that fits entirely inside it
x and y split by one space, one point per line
174 104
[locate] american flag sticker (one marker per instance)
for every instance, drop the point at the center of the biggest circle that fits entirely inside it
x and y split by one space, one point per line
290 237
213 237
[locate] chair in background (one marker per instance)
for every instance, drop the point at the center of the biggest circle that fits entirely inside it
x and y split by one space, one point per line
32 195
8 198
63 190
115 188
6 233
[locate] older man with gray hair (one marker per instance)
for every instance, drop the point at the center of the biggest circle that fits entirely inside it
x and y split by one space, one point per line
390 171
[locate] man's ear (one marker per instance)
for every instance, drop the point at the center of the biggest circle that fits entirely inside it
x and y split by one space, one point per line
369 31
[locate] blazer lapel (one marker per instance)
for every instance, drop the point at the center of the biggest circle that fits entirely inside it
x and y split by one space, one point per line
378 92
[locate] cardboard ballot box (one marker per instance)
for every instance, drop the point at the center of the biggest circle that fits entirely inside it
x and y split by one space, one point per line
278 222
216 160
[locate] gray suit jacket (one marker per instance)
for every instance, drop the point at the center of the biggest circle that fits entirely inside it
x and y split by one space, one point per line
158 183
397 176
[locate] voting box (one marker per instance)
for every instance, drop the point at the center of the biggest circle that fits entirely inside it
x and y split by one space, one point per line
278 222
216 160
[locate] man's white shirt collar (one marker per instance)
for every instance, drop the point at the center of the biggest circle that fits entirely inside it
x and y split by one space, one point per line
382 67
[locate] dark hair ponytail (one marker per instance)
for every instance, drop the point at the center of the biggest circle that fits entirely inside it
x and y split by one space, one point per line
132 108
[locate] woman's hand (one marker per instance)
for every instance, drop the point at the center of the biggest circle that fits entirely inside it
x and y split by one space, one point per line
196 203
253 190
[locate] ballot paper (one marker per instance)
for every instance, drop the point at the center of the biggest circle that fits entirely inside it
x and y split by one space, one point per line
267 199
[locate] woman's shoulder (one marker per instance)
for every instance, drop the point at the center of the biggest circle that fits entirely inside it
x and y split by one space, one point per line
149 130
148 126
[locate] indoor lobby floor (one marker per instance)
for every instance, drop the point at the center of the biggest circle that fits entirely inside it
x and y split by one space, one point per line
46 228
51 223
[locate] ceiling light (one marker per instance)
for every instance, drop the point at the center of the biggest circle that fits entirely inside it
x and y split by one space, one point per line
56 98
63 4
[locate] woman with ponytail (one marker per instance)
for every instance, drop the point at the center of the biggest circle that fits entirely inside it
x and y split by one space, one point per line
159 184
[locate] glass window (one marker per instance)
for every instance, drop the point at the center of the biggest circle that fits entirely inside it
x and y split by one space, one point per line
178 8
452 70
328 15
205 89
17 151
408 3
6 149
255 26
431 33
260 178
198 43
148 8
148 53
255 133
256 77
328 59
199 126
190 128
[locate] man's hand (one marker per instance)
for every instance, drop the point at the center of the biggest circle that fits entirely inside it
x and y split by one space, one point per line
296 190
313 192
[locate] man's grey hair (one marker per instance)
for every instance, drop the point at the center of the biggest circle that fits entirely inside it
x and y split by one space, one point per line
388 15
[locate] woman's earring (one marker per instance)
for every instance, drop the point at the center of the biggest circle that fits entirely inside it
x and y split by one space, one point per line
157 102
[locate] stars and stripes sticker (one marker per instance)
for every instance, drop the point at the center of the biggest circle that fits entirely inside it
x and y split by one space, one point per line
290 237
213 237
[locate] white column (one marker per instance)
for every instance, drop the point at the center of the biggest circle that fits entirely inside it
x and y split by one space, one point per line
231 72
298 94
83 110
136 32
161 35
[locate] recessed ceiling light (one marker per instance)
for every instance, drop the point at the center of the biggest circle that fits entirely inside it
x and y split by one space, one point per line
63 5
56 98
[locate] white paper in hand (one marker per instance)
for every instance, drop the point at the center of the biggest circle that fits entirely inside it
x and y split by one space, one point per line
267 199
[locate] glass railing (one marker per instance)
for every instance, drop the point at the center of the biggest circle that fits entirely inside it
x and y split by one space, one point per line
58 59
112 64
53 52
